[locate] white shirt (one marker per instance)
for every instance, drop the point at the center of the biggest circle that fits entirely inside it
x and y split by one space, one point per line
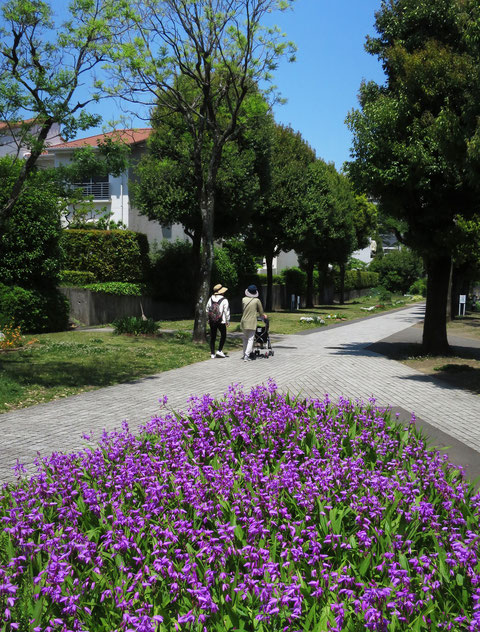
224 307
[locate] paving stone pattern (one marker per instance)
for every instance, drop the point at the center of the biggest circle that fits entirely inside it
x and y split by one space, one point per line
333 360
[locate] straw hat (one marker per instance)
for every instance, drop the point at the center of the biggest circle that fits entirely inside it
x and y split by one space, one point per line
219 289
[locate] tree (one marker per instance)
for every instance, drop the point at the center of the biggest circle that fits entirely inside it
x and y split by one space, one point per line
321 227
223 50
43 66
164 186
417 137
288 161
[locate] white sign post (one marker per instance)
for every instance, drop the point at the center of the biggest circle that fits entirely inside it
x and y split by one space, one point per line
461 304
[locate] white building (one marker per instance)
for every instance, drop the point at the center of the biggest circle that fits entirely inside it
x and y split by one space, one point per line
111 193
13 137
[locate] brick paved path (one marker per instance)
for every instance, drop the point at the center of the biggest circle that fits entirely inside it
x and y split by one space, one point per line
334 361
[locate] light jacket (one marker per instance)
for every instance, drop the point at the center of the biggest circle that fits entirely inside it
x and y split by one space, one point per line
252 308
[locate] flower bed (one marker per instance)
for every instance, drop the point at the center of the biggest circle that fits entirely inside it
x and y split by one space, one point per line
251 513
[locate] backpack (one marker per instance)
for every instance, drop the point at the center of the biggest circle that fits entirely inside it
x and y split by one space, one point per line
214 313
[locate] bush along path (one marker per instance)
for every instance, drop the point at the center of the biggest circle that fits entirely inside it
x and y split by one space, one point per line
254 512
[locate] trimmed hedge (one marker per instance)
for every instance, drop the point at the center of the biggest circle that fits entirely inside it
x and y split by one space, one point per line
76 277
117 288
33 311
357 280
110 255
295 280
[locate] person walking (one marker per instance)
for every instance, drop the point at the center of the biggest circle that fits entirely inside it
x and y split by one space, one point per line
252 308
218 315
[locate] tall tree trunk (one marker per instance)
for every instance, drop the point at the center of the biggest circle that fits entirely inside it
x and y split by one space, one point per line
196 250
206 260
435 340
342 284
309 269
269 264
450 312
322 281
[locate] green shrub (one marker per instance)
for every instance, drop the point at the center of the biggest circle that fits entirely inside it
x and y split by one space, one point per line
223 270
397 270
117 288
295 280
30 250
135 325
171 274
172 270
419 287
244 264
277 279
381 294
356 280
76 277
110 255
32 310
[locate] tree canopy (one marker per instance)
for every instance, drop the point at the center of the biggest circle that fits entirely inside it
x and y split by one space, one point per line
224 50
416 138
47 72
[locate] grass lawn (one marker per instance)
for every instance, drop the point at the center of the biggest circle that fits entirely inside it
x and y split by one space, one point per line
283 322
67 363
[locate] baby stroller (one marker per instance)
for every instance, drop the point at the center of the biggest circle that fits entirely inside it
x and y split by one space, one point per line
261 342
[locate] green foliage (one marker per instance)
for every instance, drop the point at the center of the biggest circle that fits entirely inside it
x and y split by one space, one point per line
356 280
356 264
277 279
30 252
415 138
114 255
223 270
45 57
418 287
233 266
295 280
243 262
34 311
116 287
397 270
288 160
381 294
76 277
135 325
171 276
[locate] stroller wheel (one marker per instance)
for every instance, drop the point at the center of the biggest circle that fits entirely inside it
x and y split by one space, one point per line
271 353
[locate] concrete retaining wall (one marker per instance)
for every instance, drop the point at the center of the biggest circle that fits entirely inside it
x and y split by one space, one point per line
98 308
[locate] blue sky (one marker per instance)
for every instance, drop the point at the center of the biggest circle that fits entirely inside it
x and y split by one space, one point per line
321 87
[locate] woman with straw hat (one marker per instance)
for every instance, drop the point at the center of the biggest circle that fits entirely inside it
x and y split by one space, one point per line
218 315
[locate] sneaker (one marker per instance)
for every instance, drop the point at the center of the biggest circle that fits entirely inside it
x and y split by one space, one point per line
212 356
247 359
220 354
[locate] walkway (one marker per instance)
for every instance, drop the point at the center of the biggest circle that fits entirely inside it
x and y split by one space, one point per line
333 360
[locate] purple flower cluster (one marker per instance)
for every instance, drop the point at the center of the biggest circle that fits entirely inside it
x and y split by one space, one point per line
255 512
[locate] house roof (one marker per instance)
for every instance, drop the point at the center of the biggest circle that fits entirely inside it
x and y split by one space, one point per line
9 125
128 136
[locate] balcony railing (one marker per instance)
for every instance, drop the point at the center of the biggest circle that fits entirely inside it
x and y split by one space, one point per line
97 190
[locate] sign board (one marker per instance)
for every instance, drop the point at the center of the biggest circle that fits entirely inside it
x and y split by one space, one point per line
463 299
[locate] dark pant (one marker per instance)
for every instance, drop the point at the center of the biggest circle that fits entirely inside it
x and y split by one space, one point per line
222 328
